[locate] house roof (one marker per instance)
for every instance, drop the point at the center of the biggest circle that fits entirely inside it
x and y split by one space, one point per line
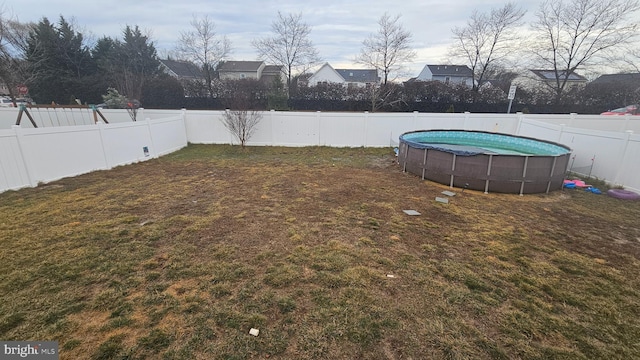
633 78
272 69
182 68
450 70
332 76
551 75
359 75
231 66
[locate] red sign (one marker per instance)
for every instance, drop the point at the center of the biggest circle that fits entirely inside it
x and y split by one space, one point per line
22 89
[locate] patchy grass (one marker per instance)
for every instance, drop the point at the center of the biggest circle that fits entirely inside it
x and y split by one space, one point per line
178 257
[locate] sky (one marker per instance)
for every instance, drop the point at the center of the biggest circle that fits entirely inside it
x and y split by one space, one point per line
338 26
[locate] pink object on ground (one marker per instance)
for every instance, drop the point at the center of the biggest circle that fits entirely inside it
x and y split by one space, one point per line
580 183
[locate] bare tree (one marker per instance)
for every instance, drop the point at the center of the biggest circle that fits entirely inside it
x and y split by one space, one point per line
382 96
388 49
633 61
486 40
241 117
241 123
13 47
501 77
580 33
204 47
289 47
630 60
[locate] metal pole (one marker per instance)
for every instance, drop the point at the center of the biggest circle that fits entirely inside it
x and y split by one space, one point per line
424 163
591 168
573 160
524 174
553 169
453 168
511 96
406 153
486 185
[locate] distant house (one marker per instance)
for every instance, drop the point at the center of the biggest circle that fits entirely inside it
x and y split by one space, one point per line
549 77
617 89
347 77
359 77
187 73
181 70
631 80
237 70
449 74
257 70
272 73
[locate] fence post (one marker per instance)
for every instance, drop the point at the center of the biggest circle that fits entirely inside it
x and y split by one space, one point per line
623 155
319 124
272 113
562 126
520 116
183 114
466 122
27 163
627 117
365 127
140 113
107 163
153 145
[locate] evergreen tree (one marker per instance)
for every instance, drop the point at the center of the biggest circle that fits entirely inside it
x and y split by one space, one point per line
137 61
60 63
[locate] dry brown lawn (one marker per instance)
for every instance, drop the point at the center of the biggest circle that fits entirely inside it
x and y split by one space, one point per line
178 257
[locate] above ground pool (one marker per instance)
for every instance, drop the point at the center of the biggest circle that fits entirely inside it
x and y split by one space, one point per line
489 162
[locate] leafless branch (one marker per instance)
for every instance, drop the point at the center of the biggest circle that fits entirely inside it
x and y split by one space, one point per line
241 123
289 46
487 39
204 47
388 49
580 33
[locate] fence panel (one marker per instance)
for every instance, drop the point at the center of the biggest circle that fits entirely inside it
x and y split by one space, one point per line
168 135
126 143
54 153
14 173
629 166
29 156
32 155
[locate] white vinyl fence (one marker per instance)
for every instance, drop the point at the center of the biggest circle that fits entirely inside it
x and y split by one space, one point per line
608 155
340 129
29 156
607 147
61 116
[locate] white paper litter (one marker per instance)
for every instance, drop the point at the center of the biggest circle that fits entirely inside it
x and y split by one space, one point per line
411 212
254 332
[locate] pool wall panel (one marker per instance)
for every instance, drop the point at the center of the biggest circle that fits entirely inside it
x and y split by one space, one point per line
489 172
